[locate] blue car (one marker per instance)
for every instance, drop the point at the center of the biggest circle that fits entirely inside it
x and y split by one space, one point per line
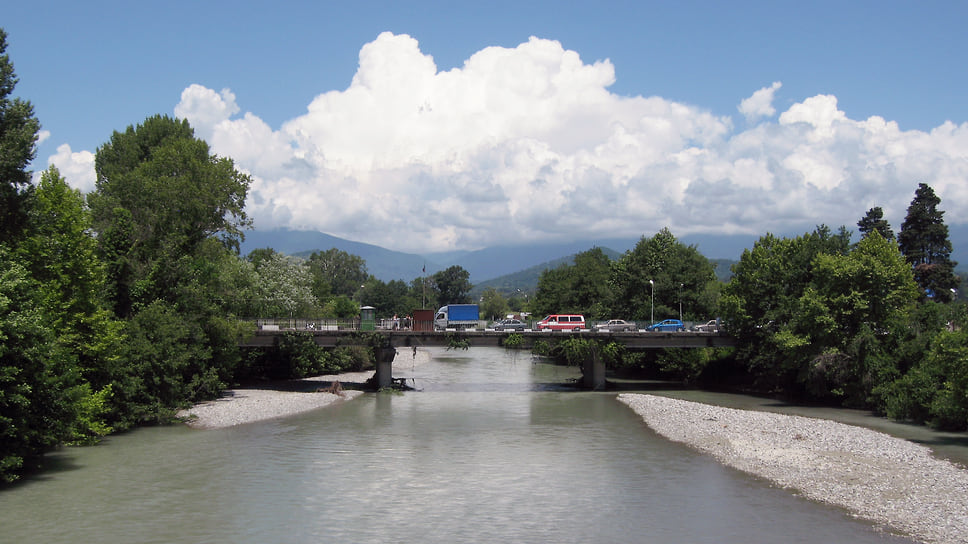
671 325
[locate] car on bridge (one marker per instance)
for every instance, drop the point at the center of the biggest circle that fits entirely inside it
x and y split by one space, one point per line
667 325
510 325
616 325
710 326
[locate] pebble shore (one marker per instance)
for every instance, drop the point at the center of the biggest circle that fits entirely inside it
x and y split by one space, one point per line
896 484
248 405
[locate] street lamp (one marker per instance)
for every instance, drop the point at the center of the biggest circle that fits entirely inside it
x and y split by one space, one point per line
680 302
652 302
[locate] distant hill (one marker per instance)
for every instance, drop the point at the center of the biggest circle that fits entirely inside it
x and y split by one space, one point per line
385 264
510 266
526 280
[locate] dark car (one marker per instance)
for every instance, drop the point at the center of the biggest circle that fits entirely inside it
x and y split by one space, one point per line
510 325
672 325
616 325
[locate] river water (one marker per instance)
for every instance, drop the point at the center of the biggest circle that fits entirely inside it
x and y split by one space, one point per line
489 448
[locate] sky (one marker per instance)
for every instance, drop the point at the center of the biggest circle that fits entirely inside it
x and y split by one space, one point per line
429 126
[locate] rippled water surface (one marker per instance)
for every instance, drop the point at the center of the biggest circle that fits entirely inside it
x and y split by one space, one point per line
490 448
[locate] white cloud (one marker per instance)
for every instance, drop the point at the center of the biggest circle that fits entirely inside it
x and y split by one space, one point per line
528 143
77 168
760 104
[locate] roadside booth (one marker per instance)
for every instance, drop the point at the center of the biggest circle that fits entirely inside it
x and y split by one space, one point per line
423 320
367 318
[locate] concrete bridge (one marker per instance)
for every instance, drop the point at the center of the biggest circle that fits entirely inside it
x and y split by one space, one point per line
593 368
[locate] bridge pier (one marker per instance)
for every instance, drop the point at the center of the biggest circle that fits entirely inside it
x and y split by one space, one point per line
384 367
593 370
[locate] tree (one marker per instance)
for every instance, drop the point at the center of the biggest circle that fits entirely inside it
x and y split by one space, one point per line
40 388
18 146
924 242
761 303
582 287
678 273
874 221
159 196
336 272
452 286
493 305
61 256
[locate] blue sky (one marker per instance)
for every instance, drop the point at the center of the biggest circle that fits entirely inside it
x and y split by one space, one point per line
548 120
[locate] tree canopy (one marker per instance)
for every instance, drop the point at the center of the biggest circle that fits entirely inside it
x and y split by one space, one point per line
924 242
18 147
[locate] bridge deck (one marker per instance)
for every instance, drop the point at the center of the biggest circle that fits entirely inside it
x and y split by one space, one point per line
408 338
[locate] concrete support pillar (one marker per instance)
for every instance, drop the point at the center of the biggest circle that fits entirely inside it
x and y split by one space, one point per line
384 367
593 370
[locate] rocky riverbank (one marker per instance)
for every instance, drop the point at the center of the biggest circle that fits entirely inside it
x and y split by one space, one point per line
280 399
897 484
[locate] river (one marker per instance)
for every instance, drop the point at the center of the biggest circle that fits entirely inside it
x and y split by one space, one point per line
491 447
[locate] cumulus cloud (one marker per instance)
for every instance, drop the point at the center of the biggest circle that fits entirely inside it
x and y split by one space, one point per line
77 168
528 143
760 104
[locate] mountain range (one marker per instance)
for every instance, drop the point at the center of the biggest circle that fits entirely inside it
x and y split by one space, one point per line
482 265
485 265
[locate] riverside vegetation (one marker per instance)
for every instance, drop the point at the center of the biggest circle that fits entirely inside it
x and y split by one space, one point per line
121 306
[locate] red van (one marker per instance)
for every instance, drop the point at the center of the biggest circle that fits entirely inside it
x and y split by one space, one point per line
562 322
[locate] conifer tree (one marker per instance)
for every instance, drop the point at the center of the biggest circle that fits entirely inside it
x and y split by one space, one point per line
874 221
924 242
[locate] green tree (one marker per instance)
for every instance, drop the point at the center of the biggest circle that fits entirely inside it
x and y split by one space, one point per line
924 242
18 146
159 196
452 286
846 314
40 388
761 303
336 272
493 305
582 287
61 256
663 272
874 221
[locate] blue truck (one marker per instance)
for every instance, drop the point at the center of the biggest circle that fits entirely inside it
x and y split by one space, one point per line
457 316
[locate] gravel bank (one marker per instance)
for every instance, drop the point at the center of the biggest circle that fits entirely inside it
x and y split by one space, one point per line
894 483
247 405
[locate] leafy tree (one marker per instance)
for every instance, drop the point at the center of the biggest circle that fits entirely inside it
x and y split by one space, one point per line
159 196
582 287
874 221
924 242
61 255
761 303
493 305
678 273
391 298
18 146
452 286
336 272
40 388
846 313
284 287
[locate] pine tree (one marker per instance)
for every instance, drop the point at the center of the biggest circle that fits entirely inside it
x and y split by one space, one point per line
924 242
874 221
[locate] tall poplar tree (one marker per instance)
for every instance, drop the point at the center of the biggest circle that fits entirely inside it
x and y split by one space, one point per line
18 146
924 242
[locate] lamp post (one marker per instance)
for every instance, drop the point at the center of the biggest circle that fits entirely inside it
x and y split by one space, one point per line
651 302
680 302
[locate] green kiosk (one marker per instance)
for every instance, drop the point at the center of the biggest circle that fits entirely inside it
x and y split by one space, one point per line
367 318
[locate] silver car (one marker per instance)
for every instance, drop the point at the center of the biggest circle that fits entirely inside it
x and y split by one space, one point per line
510 325
616 325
